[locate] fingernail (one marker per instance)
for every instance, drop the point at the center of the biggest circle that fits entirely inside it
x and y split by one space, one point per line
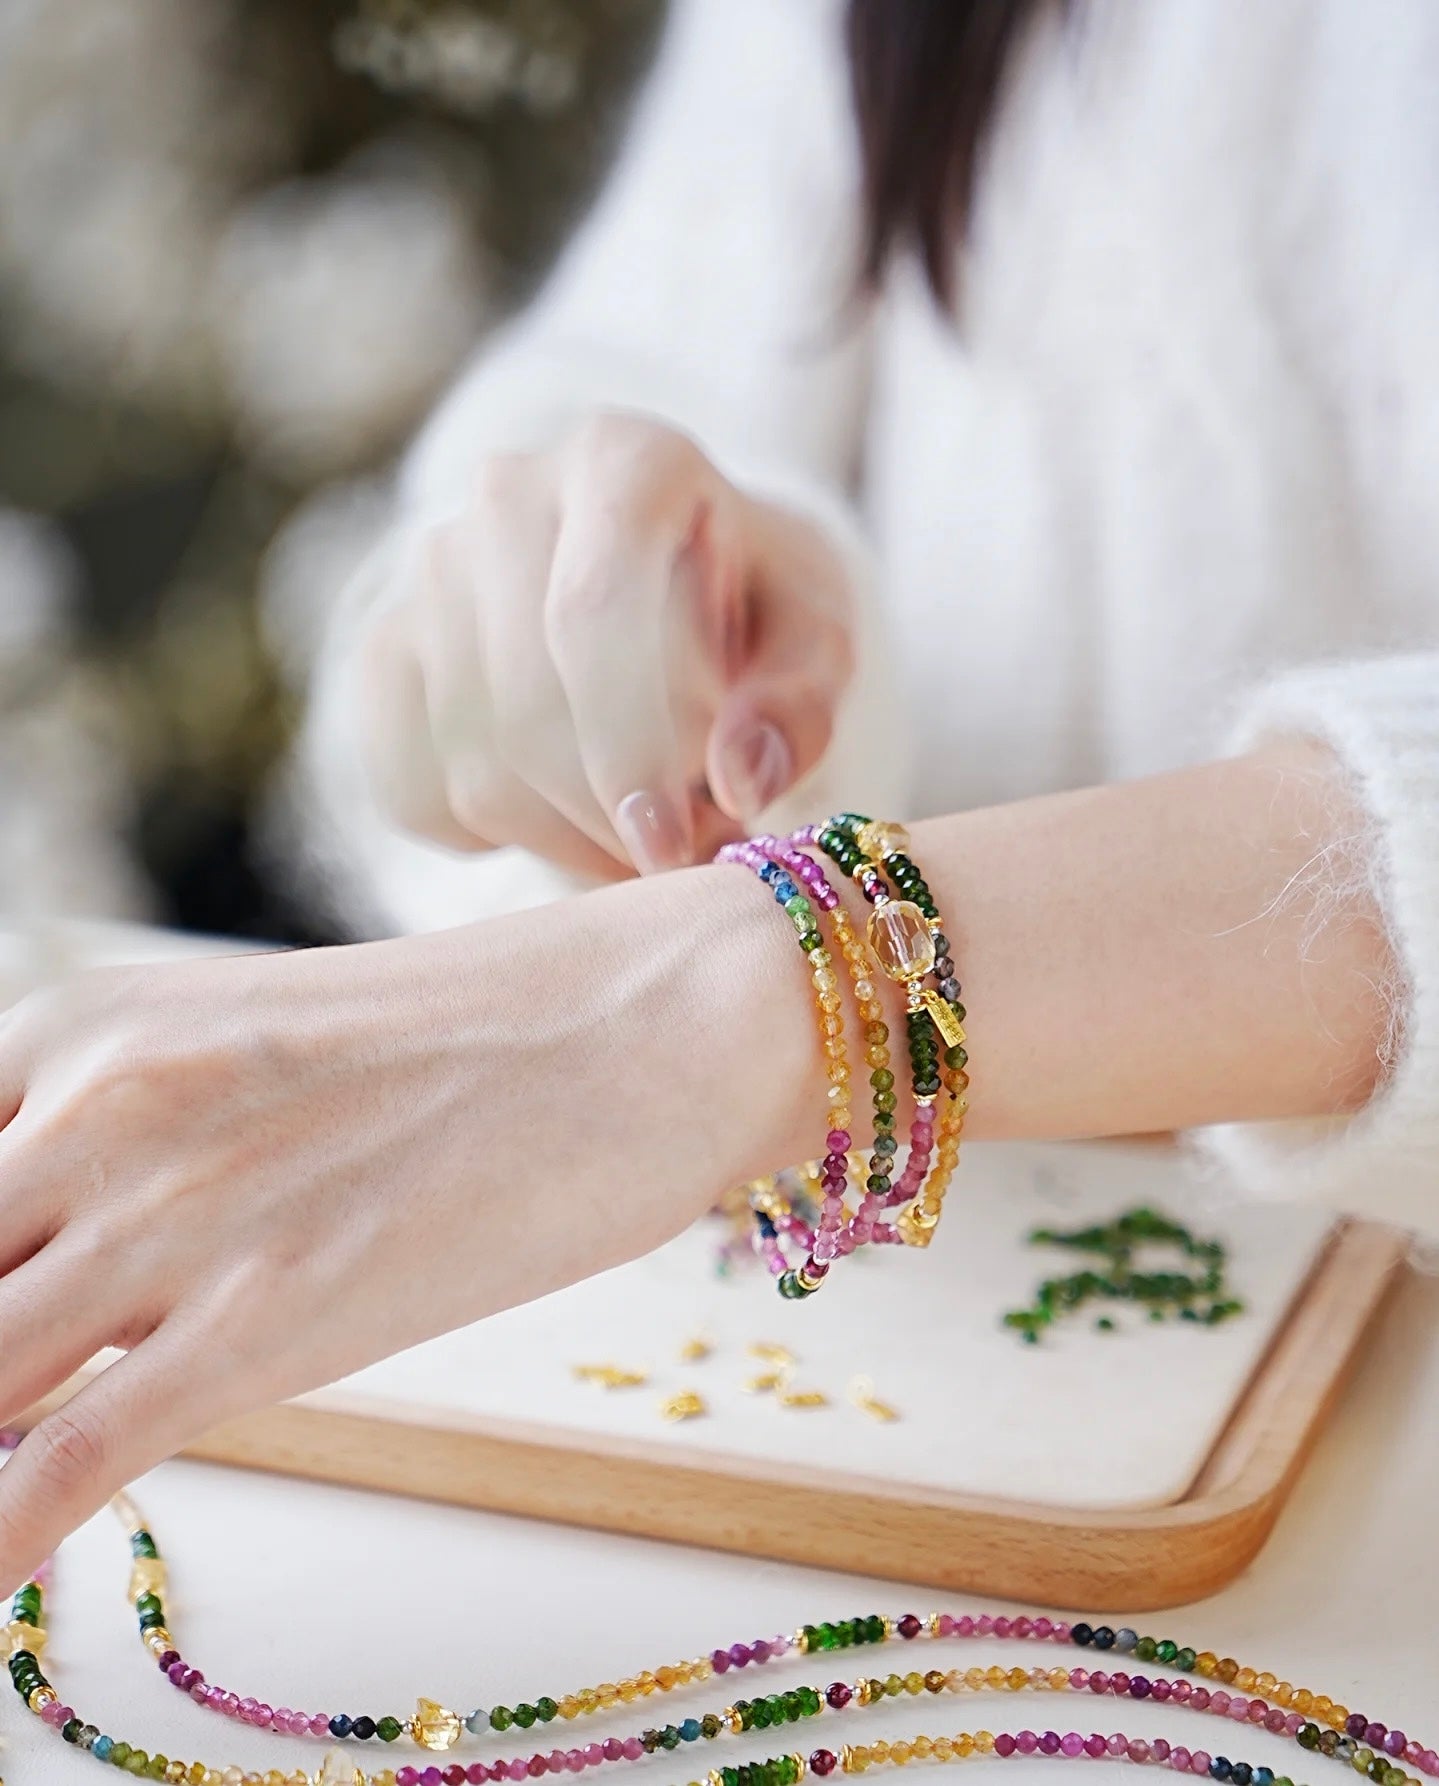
651 830
759 766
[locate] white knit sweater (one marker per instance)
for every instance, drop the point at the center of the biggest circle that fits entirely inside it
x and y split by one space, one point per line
1183 446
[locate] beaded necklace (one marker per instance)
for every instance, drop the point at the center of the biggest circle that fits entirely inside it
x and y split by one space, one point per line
1258 1699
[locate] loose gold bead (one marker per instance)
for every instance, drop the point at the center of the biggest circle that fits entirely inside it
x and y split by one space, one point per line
40 1697
733 1720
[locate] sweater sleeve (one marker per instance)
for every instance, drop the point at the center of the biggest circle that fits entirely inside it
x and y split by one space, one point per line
1381 719
711 287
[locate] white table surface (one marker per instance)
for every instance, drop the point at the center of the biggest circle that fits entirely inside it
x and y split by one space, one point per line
351 1601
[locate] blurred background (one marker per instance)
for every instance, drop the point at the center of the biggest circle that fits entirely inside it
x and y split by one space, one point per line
243 246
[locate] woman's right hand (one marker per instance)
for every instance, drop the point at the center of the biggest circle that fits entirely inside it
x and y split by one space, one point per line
612 656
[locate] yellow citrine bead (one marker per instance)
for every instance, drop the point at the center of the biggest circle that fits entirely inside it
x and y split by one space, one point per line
337 1769
569 1706
984 1741
666 1678
901 1754
878 1752
17 1637
923 1748
1283 1693
854 1759
589 1700
1058 1679
273 1778
435 1726
1018 1679
1303 1700
385 1777
175 1771
878 838
943 1749
1205 1663
964 1745
900 941
995 1677
148 1575
974 1679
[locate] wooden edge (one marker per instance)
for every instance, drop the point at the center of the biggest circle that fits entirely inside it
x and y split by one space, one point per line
1143 1560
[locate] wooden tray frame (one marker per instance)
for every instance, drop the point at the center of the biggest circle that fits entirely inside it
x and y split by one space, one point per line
1142 1560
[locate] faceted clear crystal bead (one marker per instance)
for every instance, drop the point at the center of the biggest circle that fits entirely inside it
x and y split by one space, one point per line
17 1637
435 1726
879 839
337 1769
901 940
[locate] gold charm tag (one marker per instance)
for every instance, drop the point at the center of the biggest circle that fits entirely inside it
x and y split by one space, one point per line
945 1020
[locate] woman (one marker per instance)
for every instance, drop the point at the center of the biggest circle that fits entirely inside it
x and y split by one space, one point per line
1182 435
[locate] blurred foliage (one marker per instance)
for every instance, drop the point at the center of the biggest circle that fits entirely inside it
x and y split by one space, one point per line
179 179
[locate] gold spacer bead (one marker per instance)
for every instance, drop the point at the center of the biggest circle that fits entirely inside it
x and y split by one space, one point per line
733 1720
846 1758
801 1765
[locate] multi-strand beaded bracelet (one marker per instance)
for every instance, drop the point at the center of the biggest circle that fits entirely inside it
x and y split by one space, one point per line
905 940
1206 1683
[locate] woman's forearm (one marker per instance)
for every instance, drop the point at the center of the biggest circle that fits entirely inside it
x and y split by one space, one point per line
1193 948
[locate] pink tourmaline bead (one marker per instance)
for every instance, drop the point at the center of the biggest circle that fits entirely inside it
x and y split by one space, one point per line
1115 1744
1179 1760
1160 1749
1199 1762
1239 1710
1071 1744
555 1761
1043 1628
964 1626
175 1673
407 1776
1275 1721
476 1774
1099 1681
200 1693
320 1724
1094 1746
432 1777
1026 1742
1293 1723
1257 1709
614 1749
837 1141
1119 1685
1160 1690
779 1646
1079 1679
1002 1627
1219 1702
1181 1692
1023 1627
1061 1632
537 1766
1199 1698
946 1624
984 1624
575 1760
594 1753
517 1769
56 1715
299 1724
633 1748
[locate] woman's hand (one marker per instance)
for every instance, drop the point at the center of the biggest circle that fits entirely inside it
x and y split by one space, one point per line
612 657
260 1173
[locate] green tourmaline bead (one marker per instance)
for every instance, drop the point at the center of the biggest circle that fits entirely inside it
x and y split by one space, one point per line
1167 1651
956 1057
525 1715
709 1726
876 1628
882 1079
119 1755
1146 1650
811 942
649 1741
501 1718
142 1545
669 1737
389 1730
158 1764
1307 1736
546 1709
148 1603
791 1288
136 1761
884 1101
1185 1659
893 1685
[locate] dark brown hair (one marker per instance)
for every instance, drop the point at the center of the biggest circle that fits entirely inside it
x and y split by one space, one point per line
926 77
